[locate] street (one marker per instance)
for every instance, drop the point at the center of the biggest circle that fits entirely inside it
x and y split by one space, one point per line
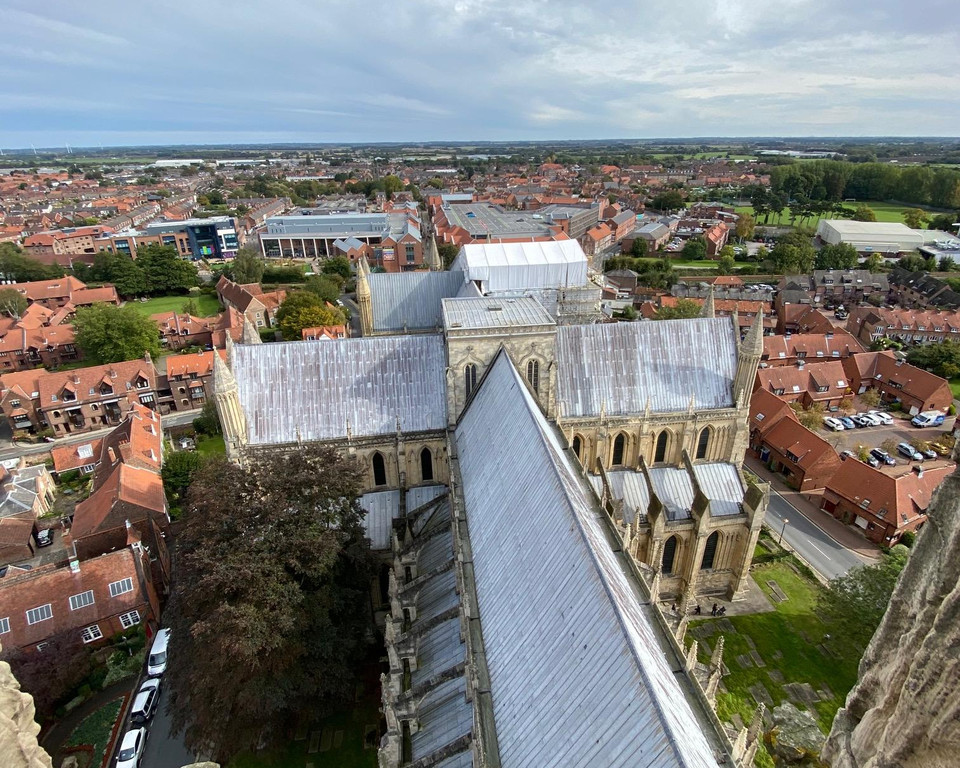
824 554
164 750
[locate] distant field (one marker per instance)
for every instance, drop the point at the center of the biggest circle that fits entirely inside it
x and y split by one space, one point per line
889 212
207 305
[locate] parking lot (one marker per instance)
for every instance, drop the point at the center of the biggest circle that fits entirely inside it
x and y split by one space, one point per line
874 437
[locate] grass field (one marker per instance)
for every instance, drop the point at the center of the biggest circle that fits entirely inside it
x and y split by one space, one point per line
791 643
955 388
211 445
207 305
888 212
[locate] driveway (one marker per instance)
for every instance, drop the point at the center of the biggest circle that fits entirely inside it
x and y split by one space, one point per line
873 437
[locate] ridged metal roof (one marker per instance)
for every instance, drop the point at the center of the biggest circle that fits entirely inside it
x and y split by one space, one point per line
578 674
308 391
494 312
630 487
381 508
411 300
619 367
520 266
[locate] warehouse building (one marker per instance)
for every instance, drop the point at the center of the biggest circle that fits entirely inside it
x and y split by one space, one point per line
870 236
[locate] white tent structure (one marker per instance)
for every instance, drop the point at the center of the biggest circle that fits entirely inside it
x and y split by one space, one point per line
523 266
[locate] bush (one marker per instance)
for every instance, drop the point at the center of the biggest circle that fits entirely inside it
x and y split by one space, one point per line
870 398
71 476
908 539
207 423
951 410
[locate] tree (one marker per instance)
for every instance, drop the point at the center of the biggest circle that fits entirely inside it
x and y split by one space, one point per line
943 359
207 423
338 265
391 185
324 286
179 467
840 256
812 417
874 262
164 271
111 334
746 225
726 264
123 272
190 307
695 249
247 266
864 213
915 218
12 303
684 308
855 602
447 252
944 222
53 674
16 266
260 646
305 309
946 264
671 200
639 248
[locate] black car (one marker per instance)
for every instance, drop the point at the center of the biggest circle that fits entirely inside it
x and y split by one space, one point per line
45 537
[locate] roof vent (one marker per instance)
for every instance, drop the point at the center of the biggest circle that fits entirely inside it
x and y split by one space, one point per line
495 309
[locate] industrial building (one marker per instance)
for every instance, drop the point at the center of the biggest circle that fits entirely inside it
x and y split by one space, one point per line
485 222
870 236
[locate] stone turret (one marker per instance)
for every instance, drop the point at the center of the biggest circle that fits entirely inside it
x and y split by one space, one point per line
18 729
227 399
904 709
709 308
748 360
250 333
363 297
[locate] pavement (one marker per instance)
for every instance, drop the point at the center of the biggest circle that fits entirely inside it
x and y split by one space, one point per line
828 546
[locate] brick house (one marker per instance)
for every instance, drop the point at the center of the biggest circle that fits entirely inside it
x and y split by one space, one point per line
178 330
898 381
806 461
48 346
190 377
884 506
596 239
97 598
26 493
911 326
21 398
824 382
250 300
56 293
790 349
82 457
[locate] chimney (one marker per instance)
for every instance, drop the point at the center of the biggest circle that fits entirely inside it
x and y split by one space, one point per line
71 550
113 373
112 455
147 358
918 469
76 379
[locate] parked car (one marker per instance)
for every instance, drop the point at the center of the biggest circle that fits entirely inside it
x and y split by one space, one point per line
883 457
928 419
905 449
131 748
861 421
872 420
844 455
885 418
847 422
873 461
928 453
145 702
45 537
941 449
157 662
835 424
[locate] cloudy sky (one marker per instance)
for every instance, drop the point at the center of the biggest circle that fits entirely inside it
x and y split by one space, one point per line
209 71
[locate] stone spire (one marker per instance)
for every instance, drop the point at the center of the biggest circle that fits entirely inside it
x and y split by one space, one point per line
709 310
18 729
433 257
363 297
748 360
250 334
227 399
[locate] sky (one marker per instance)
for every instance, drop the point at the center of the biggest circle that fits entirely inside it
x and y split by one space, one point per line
114 72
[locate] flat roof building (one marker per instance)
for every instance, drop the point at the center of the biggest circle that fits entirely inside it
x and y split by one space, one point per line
870 236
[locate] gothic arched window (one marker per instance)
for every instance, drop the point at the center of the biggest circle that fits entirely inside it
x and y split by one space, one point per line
710 551
669 553
619 445
470 378
426 464
379 469
661 453
533 375
703 443
578 447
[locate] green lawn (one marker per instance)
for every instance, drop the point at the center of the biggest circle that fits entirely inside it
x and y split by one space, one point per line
955 388
211 445
207 305
889 212
788 641
95 730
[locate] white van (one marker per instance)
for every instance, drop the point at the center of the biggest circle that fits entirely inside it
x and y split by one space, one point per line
928 419
157 661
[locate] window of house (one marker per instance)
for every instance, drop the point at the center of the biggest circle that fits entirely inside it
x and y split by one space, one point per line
865 503
669 554
619 446
710 551
426 464
4 625
91 633
411 254
82 600
470 378
129 619
379 469
42 613
42 647
703 442
14 403
661 451
121 587
533 375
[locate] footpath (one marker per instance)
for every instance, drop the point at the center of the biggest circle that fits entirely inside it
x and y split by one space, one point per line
808 506
54 739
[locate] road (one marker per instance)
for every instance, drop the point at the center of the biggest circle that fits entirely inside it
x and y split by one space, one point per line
824 554
10 450
164 750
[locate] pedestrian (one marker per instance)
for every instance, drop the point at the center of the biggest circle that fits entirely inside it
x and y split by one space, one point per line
696 610
713 611
722 610
673 608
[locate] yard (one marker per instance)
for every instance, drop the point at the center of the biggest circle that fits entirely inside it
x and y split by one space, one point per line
211 445
786 654
207 305
95 731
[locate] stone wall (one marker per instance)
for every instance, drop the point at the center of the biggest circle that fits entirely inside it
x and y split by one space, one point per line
18 730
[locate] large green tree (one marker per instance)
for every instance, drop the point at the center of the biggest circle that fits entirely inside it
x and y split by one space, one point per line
12 303
120 270
338 265
684 308
864 213
840 256
325 287
943 359
671 200
855 603
270 608
179 467
247 266
111 334
304 309
695 249
164 271
746 225
16 266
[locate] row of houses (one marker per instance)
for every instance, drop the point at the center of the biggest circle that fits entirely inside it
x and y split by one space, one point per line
110 569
